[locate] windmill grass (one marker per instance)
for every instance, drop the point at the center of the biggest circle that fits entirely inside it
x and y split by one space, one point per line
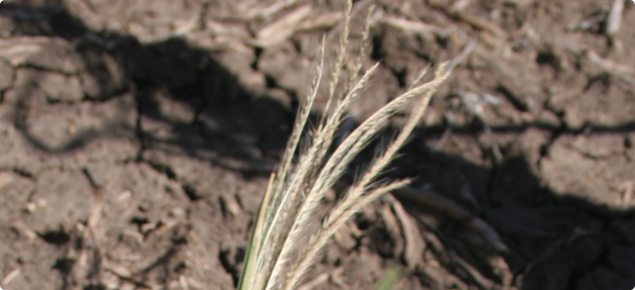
281 250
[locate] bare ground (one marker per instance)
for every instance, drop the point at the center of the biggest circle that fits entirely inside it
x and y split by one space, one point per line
136 139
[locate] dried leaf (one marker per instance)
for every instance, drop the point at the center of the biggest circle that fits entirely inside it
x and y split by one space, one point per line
392 226
615 18
322 21
23 230
12 275
426 30
415 245
283 28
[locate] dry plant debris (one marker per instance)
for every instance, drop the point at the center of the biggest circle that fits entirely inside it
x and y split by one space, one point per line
12 275
621 72
414 244
282 28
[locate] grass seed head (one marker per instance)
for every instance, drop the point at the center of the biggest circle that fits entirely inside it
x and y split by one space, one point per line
281 250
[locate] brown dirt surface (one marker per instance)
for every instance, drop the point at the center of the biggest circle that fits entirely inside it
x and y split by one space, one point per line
137 137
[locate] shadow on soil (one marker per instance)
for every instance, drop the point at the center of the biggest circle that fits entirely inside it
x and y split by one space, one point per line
554 242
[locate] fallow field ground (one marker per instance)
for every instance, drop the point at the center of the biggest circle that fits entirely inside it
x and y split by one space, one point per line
137 138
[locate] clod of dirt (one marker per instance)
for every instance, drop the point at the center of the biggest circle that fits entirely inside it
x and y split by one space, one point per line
239 63
198 179
14 190
104 75
599 147
599 105
49 53
583 168
282 65
70 198
56 87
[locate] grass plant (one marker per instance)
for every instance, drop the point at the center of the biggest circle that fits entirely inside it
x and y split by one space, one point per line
281 250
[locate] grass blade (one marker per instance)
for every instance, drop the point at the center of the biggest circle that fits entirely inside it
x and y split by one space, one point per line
248 271
389 280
